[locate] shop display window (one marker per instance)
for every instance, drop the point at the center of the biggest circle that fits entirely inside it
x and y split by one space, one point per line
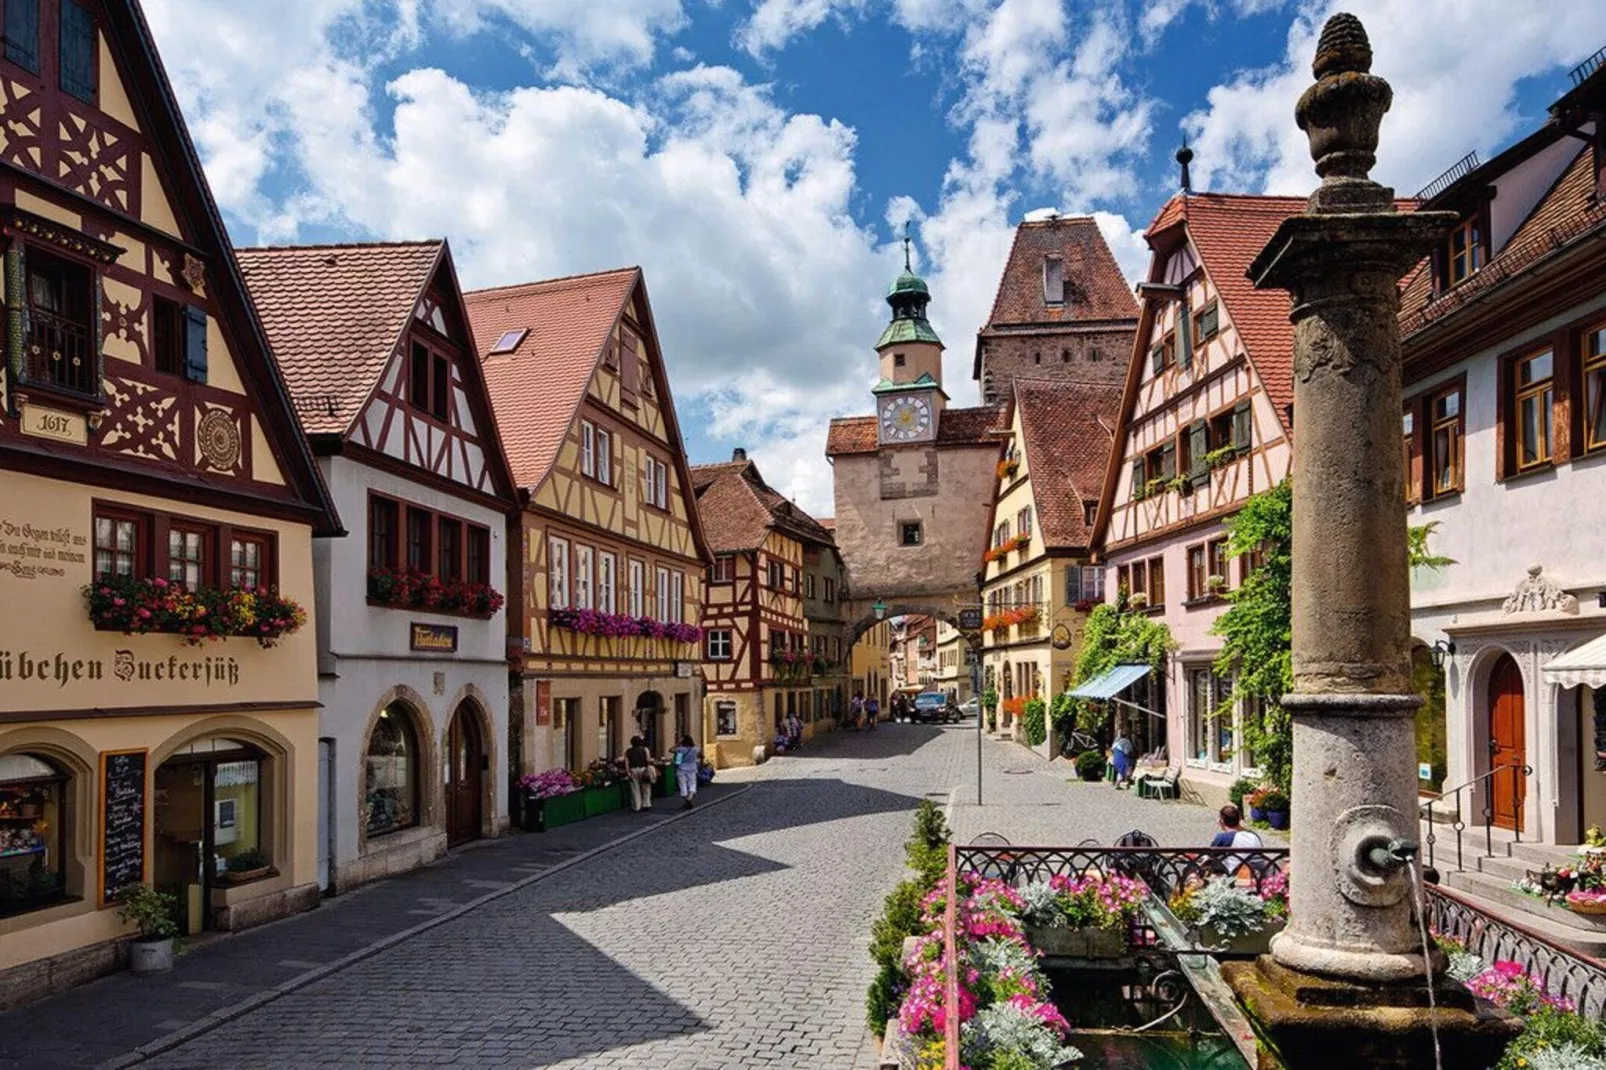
33 826
390 796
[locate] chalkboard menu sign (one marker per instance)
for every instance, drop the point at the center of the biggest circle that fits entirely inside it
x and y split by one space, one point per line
122 821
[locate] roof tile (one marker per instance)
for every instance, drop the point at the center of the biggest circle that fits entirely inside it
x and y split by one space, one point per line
537 386
334 313
1069 431
738 509
1095 289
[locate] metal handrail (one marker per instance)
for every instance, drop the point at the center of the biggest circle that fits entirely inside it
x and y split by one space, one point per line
1458 823
950 1030
1560 971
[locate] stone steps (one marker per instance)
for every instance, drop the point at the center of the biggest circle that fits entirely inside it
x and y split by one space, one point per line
1558 924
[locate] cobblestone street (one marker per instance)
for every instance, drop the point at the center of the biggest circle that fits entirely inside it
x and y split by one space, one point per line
733 937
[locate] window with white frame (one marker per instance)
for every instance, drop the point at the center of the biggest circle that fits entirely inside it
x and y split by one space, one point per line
724 568
1210 735
606 601
558 573
719 644
604 457
638 589
1253 712
582 577
677 598
655 481
1023 520
661 601
588 448
1091 582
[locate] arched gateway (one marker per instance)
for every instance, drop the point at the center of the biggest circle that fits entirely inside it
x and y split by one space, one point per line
914 482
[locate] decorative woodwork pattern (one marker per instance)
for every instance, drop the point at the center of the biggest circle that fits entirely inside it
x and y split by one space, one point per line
219 436
98 162
429 311
1216 379
451 450
126 321
141 421
22 140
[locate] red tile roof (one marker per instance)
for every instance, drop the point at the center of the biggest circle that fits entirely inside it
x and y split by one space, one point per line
957 427
1568 209
333 314
1095 289
1229 230
1069 432
738 508
537 387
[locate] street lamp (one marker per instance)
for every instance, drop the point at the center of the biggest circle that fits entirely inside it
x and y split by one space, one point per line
1438 651
879 609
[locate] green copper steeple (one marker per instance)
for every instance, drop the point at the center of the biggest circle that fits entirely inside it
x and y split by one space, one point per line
908 297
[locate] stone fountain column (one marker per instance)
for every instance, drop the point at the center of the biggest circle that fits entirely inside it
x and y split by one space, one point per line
1347 983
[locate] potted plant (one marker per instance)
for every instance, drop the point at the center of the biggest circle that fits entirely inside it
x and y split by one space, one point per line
1231 920
1216 584
1090 765
152 913
248 865
1241 789
1139 600
1255 801
1275 803
1082 917
1594 844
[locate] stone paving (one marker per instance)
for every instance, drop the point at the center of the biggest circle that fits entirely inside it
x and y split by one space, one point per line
732 938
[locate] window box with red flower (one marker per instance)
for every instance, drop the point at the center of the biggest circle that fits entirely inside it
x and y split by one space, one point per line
621 626
146 606
407 588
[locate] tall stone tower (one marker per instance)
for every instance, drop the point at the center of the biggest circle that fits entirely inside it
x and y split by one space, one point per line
914 481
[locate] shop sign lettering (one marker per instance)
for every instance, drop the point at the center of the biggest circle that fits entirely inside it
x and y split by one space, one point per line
439 638
31 552
61 669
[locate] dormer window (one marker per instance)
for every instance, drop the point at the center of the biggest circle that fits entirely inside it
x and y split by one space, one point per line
1053 280
1467 252
510 340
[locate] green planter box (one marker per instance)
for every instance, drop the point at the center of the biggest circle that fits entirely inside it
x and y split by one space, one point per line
665 787
603 800
556 811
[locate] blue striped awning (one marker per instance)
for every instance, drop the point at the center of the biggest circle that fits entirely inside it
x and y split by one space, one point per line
1112 682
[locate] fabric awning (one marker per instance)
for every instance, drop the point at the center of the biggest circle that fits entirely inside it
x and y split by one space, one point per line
1111 682
1583 667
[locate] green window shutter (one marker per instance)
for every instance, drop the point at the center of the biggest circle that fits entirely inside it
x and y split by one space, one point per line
1243 426
22 33
1198 446
77 51
1168 461
194 344
1157 359
1185 335
1137 478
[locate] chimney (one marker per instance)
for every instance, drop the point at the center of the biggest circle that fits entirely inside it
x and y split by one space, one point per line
738 454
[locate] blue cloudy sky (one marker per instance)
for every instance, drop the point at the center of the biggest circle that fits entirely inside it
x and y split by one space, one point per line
759 158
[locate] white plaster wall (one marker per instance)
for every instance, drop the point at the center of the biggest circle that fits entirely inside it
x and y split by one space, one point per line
1518 190
364 657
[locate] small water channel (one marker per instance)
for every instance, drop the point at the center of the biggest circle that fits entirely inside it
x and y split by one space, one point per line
1105 1005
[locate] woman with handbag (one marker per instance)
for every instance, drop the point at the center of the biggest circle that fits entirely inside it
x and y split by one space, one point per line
641 774
686 770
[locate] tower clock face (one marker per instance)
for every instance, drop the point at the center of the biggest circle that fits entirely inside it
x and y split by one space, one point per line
905 419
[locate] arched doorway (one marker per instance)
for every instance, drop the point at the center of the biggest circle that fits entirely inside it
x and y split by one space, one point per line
465 776
1507 746
209 824
649 710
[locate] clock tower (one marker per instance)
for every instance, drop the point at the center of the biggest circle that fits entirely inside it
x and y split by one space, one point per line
909 397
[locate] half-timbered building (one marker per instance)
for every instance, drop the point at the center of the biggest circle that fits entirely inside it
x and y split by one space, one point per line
607 575
1038 580
158 692
1205 418
763 663
412 639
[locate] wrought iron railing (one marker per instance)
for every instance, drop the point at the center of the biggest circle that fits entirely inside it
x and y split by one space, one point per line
1462 167
61 353
1581 73
1561 972
1449 804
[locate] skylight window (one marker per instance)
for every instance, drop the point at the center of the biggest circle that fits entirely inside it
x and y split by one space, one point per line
510 340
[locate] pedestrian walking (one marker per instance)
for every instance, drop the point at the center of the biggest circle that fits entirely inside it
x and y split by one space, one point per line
872 711
857 711
686 757
1121 758
641 773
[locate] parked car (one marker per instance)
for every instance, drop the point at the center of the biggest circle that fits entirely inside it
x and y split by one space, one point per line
934 706
971 707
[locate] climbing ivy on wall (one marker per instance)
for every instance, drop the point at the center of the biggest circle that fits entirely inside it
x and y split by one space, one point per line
1113 635
1257 629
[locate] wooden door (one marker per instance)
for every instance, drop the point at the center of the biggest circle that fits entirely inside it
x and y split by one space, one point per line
1507 725
465 761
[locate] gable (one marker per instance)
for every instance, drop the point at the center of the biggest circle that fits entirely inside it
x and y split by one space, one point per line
174 364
